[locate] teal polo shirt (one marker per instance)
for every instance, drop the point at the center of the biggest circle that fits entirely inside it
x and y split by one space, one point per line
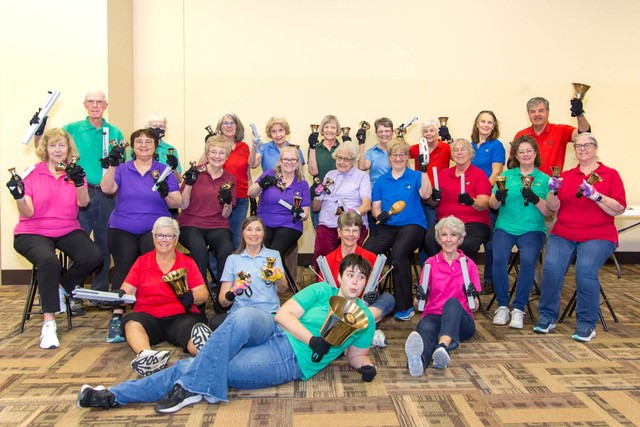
163 150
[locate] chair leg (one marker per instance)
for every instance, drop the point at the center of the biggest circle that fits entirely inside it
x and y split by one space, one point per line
292 283
606 301
569 308
31 295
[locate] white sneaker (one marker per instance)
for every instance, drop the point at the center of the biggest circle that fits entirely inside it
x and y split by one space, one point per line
501 316
379 340
149 361
48 337
63 304
517 319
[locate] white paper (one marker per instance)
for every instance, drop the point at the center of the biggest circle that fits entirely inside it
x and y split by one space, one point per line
436 185
165 173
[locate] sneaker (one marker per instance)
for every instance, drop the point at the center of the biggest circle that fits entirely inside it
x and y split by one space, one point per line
441 357
517 319
584 333
48 337
544 326
177 399
379 340
63 305
502 316
404 314
413 348
96 397
77 309
149 361
200 333
115 334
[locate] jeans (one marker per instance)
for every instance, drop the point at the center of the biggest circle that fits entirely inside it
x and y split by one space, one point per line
454 322
488 248
315 219
530 245
385 303
237 217
95 218
590 256
248 351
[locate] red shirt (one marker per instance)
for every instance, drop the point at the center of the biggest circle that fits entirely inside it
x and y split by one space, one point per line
440 157
476 184
205 211
238 165
552 144
581 219
334 258
155 297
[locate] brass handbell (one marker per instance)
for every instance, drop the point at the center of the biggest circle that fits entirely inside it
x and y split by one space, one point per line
226 186
501 183
344 318
580 90
526 183
202 168
365 125
155 174
17 179
555 171
400 132
60 166
345 130
442 121
177 279
315 128
591 179
281 185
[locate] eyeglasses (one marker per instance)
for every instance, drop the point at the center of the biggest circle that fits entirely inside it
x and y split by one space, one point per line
383 131
585 146
217 153
228 124
459 150
144 142
398 155
523 152
289 161
345 159
160 236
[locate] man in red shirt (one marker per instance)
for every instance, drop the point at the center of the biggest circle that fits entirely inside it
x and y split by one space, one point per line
552 139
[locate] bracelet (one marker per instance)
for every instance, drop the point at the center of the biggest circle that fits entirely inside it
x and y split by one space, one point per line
551 210
358 212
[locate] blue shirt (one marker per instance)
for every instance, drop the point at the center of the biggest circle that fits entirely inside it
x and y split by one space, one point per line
487 153
389 190
271 155
264 296
379 159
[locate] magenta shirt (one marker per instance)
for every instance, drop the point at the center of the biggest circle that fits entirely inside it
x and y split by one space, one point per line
351 186
445 281
55 204
272 213
205 211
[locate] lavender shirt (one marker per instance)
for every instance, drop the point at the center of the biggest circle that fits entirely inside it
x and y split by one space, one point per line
348 188
137 207
272 212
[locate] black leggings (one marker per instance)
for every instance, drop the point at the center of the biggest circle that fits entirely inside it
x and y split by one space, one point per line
199 240
40 251
281 239
125 249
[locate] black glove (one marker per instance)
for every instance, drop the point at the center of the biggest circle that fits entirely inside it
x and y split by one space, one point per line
190 176
16 187
421 165
163 189
230 295
420 293
576 107
530 196
172 161
104 162
267 181
224 196
320 347
470 290
186 300
361 136
368 373
116 156
346 138
43 124
76 174
444 133
370 297
297 212
253 206
501 195
465 199
313 140
383 217
436 195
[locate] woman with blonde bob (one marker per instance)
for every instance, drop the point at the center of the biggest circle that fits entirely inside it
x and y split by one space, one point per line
268 154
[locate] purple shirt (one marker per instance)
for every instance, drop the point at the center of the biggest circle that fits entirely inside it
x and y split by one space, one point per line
272 212
137 207
348 188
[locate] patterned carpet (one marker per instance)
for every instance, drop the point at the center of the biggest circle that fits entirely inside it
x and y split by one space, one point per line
501 377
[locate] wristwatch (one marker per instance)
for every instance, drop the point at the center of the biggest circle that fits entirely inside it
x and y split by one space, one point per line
599 198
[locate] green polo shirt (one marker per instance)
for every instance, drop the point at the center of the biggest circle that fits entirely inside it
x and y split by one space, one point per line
163 150
324 161
514 217
89 142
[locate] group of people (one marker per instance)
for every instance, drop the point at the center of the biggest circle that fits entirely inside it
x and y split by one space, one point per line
139 209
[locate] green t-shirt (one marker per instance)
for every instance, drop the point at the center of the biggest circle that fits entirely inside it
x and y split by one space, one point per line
314 299
514 217
324 161
89 142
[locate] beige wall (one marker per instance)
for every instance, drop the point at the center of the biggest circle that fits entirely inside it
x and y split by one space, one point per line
193 60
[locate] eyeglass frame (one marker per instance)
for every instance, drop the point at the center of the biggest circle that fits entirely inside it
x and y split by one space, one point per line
161 236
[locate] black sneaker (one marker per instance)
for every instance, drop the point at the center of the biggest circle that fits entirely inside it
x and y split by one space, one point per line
176 399
96 397
77 308
200 333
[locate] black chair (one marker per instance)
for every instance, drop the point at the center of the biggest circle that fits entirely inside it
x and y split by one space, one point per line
571 306
33 290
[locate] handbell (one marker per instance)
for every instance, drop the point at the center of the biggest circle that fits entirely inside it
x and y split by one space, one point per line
365 125
555 171
177 279
501 182
281 185
591 179
580 90
344 319
442 121
526 183
17 179
155 174
60 166
400 132
345 130
315 128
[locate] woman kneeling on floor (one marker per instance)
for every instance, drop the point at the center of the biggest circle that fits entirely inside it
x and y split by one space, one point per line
447 318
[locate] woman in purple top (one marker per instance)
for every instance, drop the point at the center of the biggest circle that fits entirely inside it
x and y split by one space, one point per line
204 224
137 208
286 182
48 200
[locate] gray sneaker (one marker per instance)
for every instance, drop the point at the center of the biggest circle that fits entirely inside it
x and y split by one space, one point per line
413 348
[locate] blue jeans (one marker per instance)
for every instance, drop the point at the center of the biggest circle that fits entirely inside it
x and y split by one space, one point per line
454 322
488 249
385 303
590 256
237 217
530 245
248 351
95 218
315 219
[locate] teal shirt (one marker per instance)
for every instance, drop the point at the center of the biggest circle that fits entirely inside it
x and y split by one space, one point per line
163 150
324 161
514 217
89 142
314 299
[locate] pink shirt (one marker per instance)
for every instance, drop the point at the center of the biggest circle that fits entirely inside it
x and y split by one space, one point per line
445 281
55 204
